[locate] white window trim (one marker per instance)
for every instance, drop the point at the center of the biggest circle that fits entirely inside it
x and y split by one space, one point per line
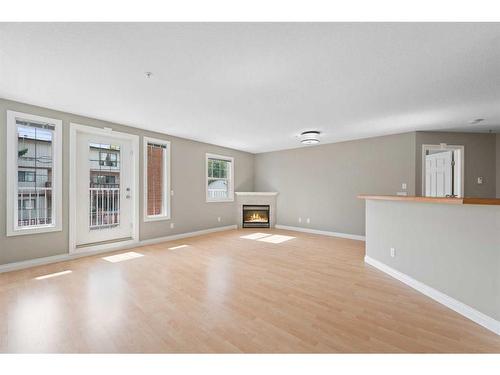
231 178
166 180
12 201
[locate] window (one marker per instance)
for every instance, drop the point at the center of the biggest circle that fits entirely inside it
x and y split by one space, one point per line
34 153
219 184
104 188
104 180
108 159
156 179
25 176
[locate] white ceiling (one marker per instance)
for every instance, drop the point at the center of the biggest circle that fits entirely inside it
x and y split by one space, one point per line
256 86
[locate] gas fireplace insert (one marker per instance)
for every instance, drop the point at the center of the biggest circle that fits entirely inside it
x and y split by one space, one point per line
255 216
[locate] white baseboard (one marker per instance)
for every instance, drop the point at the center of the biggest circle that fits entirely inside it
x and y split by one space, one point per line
33 262
185 235
323 232
112 247
457 306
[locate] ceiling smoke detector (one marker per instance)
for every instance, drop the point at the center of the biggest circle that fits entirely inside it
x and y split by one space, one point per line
310 137
148 74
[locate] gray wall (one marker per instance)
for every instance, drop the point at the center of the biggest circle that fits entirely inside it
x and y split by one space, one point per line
322 182
451 248
479 159
189 212
497 165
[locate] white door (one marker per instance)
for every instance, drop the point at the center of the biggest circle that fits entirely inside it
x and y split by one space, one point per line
438 174
103 189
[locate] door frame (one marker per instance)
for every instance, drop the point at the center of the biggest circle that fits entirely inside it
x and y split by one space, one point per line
75 129
444 146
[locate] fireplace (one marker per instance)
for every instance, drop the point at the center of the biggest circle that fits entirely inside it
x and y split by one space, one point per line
255 216
264 202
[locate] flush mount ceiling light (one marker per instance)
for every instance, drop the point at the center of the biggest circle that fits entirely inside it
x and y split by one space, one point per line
476 121
310 137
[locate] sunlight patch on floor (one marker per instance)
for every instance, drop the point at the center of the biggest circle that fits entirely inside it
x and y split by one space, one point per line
255 236
268 237
122 257
276 238
177 247
50 275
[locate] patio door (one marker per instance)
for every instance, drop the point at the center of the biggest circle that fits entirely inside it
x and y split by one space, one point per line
104 182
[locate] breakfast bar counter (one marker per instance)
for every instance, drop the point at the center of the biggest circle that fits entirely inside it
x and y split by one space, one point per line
445 200
447 248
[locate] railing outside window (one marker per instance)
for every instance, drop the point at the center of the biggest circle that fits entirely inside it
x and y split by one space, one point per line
104 207
34 206
217 193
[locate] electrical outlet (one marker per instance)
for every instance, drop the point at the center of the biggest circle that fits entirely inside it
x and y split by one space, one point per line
308 220
219 219
479 180
393 252
172 193
404 186
172 225
300 220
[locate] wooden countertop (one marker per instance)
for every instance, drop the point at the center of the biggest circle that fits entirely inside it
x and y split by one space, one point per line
484 201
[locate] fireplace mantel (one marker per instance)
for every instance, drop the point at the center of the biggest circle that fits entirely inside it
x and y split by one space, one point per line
256 198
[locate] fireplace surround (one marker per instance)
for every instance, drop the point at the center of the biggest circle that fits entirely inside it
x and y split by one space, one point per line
256 199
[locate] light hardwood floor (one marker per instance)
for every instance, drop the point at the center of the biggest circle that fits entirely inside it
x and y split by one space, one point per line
224 293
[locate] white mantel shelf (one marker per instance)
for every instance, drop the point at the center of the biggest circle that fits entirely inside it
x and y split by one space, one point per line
268 193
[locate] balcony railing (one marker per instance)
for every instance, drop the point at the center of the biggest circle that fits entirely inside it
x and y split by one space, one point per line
33 185
104 207
97 165
217 193
34 206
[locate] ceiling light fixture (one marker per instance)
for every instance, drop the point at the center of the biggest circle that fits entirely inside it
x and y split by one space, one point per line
148 74
476 121
310 137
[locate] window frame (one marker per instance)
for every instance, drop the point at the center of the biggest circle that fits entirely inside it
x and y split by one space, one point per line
12 177
230 159
166 215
